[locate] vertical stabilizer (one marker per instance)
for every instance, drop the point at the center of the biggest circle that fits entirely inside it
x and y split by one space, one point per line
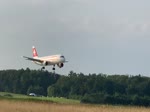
34 52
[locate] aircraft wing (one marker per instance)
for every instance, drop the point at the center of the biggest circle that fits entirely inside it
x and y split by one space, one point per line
33 59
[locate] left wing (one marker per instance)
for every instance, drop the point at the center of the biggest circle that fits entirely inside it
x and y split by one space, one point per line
33 59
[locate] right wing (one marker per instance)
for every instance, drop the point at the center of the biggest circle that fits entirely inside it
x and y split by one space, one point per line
33 59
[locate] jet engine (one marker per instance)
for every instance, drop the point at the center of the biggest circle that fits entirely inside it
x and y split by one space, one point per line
45 63
60 65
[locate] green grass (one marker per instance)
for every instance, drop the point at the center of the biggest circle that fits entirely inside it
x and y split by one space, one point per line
12 96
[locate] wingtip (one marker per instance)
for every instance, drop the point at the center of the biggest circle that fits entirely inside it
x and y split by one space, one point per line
24 57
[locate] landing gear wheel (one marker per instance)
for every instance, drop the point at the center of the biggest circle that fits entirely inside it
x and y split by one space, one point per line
42 68
54 69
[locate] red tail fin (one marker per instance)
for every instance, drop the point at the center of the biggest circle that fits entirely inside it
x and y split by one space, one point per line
34 52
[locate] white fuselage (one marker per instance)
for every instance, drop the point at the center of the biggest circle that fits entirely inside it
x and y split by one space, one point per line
53 60
50 60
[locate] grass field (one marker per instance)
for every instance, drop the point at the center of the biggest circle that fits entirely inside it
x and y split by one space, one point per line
24 106
21 103
20 97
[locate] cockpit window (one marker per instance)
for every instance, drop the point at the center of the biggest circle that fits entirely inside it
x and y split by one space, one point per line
62 56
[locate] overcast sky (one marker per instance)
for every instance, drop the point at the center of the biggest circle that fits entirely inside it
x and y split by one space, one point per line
96 36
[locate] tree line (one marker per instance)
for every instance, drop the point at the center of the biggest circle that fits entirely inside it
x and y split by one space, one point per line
91 88
26 81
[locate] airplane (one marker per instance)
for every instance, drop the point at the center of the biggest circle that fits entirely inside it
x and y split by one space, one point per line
52 60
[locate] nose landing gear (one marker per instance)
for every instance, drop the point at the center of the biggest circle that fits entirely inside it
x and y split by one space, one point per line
42 68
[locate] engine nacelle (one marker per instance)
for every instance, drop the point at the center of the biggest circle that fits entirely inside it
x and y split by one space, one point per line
45 63
60 65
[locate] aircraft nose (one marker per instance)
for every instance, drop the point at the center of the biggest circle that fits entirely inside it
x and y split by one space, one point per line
62 58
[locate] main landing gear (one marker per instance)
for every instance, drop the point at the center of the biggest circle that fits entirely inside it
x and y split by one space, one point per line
52 68
42 68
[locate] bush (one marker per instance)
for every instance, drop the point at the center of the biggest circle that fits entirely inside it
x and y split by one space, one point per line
8 95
